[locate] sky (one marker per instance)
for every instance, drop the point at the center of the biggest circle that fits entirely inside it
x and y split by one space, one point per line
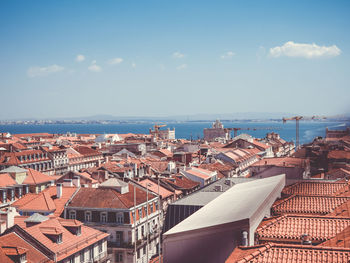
163 58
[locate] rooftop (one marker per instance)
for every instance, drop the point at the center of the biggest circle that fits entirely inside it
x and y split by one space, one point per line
255 192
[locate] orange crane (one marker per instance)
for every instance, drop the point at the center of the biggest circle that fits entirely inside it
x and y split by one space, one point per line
235 130
297 119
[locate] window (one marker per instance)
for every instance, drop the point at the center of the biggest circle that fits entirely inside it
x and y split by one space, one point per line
72 215
100 248
119 257
151 208
59 239
137 233
82 256
120 218
103 217
138 253
156 205
88 216
142 231
91 252
119 237
140 213
146 210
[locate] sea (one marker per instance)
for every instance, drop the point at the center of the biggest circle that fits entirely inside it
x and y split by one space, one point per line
188 130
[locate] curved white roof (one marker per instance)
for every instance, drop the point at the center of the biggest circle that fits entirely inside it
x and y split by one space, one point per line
238 203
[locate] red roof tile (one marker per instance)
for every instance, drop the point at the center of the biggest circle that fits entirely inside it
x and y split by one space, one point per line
109 198
290 228
6 180
341 239
70 243
308 205
35 177
282 253
315 188
18 245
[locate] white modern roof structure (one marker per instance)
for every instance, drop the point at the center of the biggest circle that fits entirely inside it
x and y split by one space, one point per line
219 224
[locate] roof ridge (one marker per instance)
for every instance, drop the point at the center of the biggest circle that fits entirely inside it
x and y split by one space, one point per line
46 197
272 222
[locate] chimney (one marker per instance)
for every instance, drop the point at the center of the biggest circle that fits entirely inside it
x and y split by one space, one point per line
244 238
305 239
59 190
76 181
67 182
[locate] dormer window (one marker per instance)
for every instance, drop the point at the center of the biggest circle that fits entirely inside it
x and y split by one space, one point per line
72 215
120 218
103 217
88 216
23 258
59 239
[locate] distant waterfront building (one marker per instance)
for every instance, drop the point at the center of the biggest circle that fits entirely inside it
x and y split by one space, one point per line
217 131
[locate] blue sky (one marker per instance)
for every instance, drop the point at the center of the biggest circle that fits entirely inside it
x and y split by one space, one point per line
158 58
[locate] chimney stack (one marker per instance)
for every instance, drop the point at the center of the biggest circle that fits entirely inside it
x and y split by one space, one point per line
245 238
305 239
76 181
59 190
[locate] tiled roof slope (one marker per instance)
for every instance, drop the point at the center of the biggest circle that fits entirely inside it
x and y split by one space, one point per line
282 253
308 205
109 198
315 188
36 177
289 228
13 240
342 210
341 239
70 243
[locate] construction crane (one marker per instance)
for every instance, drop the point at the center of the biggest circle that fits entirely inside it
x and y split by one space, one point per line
297 119
235 130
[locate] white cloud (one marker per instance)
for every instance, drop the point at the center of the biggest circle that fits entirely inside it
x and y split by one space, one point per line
115 61
43 71
178 55
228 55
94 67
183 66
291 49
80 58
133 65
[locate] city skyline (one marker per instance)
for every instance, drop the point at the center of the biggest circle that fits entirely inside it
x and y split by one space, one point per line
82 58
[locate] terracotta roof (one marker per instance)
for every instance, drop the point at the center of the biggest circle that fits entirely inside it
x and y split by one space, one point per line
18 246
46 200
6 180
282 162
109 198
182 182
164 193
35 177
70 243
282 253
201 173
35 202
166 152
86 151
341 239
308 205
337 154
315 188
342 210
289 228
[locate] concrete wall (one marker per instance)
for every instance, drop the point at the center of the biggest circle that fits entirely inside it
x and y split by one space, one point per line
205 246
